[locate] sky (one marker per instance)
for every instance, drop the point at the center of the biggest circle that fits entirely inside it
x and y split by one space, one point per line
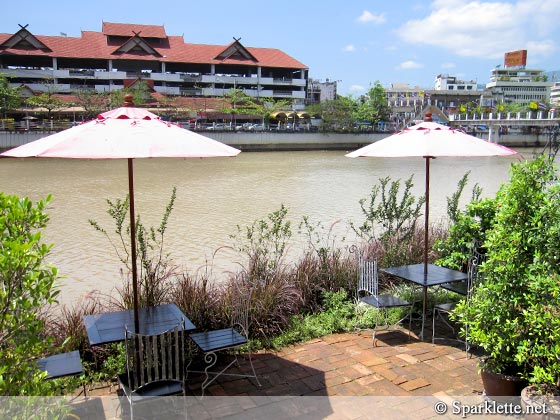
356 43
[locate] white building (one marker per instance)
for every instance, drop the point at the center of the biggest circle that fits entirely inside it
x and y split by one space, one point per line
519 85
446 82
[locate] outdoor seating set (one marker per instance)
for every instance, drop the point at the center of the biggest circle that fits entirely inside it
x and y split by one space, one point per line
419 275
159 355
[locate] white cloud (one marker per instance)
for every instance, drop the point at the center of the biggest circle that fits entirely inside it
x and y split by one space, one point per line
349 48
357 89
486 29
368 17
407 65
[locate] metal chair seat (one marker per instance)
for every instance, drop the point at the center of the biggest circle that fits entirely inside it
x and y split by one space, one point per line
384 301
159 388
218 339
461 288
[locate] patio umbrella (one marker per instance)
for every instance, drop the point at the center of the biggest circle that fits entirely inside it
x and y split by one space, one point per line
125 133
430 140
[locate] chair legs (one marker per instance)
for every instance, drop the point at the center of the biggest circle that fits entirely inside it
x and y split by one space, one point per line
210 359
385 311
439 314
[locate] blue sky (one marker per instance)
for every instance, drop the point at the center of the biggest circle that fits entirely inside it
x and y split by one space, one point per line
354 42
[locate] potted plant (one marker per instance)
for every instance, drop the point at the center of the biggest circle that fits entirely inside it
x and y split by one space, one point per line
513 315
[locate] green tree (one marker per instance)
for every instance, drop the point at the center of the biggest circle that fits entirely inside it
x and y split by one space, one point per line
335 114
92 101
140 92
27 285
47 99
236 102
266 106
373 107
10 97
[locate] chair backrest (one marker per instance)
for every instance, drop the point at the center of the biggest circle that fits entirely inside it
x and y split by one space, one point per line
241 300
150 358
368 280
473 275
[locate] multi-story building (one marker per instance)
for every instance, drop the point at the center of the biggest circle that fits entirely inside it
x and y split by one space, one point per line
555 94
446 82
519 85
121 54
318 91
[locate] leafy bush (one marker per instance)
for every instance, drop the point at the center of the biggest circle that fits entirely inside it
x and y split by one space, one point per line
513 314
27 286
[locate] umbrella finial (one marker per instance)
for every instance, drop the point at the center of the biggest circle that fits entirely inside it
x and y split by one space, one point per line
428 117
128 100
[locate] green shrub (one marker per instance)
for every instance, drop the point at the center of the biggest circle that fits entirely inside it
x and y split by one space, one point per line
27 286
513 314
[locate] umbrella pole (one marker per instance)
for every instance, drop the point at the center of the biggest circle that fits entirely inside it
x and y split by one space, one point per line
133 244
427 215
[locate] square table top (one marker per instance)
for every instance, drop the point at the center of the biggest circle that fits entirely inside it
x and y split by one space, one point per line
436 274
109 327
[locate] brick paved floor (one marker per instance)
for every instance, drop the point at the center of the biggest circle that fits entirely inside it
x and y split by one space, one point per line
339 376
348 365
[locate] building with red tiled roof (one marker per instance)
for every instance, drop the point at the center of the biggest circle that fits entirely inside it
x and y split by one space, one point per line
123 53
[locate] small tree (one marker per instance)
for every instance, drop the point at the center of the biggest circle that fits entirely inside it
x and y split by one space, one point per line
27 286
155 267
373 108
10 97
46 99
92 101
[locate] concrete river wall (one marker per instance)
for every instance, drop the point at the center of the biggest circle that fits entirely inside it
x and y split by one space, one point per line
270 140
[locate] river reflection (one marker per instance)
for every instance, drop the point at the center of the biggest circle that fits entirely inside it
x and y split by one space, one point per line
213 197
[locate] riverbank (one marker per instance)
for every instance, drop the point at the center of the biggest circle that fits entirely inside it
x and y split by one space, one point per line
286 141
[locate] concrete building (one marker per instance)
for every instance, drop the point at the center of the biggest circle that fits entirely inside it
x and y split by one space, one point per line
555 94
318 91
123 53
447 82
519 85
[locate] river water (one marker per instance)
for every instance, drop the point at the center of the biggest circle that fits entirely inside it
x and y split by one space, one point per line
214 196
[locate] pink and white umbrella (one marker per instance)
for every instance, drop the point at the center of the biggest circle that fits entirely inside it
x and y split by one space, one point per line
430 140
125 133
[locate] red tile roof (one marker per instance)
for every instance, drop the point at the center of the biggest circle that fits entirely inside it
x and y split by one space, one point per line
94 45
128 30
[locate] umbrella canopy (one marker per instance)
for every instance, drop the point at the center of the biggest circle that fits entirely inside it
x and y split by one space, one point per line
430 140
125 133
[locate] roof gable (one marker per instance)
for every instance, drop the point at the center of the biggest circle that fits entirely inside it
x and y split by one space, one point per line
25 40
236 51
136 45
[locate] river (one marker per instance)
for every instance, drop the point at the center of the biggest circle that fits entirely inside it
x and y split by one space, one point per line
213 197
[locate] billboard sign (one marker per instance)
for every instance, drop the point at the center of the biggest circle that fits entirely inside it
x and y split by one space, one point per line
515 58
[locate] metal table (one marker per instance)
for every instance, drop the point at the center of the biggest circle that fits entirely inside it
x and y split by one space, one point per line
109 327
435 276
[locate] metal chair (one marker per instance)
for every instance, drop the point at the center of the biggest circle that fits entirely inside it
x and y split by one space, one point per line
441 309
368 293
211 342
155 366
462 287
